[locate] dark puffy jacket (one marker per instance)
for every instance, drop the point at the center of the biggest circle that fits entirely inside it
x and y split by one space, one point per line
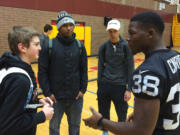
14 89
63 72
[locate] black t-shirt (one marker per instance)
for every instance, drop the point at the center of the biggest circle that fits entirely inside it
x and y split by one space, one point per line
159 77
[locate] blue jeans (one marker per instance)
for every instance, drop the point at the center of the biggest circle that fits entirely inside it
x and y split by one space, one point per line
73 111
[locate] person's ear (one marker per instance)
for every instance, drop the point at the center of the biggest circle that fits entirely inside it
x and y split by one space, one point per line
21 48
151 33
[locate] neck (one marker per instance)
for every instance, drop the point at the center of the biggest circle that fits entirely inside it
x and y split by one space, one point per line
45 34
115 41
25 59
66 37
157 46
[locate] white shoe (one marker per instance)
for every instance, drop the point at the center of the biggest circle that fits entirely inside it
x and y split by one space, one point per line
105 133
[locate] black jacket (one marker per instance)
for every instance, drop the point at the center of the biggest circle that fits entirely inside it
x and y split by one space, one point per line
63 72
14 88
116 64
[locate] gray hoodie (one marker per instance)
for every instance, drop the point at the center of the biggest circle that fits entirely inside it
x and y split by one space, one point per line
116 63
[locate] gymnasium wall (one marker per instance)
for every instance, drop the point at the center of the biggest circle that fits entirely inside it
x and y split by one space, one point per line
36 13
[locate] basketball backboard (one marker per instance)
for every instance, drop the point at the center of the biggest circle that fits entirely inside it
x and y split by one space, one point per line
163 3
171 2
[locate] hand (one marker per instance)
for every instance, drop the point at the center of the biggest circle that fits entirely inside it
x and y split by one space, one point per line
127 95
92 121
130 117
46 100
80 95
52 97
48 111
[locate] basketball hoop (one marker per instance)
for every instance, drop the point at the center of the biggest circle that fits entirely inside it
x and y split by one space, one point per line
163 3
170 2
174 2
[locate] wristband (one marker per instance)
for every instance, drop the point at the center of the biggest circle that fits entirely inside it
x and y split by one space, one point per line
99 123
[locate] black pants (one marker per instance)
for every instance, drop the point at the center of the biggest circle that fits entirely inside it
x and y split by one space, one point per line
107 93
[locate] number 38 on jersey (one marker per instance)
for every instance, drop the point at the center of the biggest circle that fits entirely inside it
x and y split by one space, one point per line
146 84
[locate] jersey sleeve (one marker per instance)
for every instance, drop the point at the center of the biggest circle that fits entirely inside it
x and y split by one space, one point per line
147 84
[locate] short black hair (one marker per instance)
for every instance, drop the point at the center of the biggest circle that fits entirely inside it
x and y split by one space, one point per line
47 27
150 19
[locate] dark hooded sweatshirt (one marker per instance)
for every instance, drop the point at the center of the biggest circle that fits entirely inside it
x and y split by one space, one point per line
14 88
115 63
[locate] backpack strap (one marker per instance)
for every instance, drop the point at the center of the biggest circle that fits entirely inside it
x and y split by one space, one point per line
4 72
125 51
79 45
42 39
50 46
104 52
